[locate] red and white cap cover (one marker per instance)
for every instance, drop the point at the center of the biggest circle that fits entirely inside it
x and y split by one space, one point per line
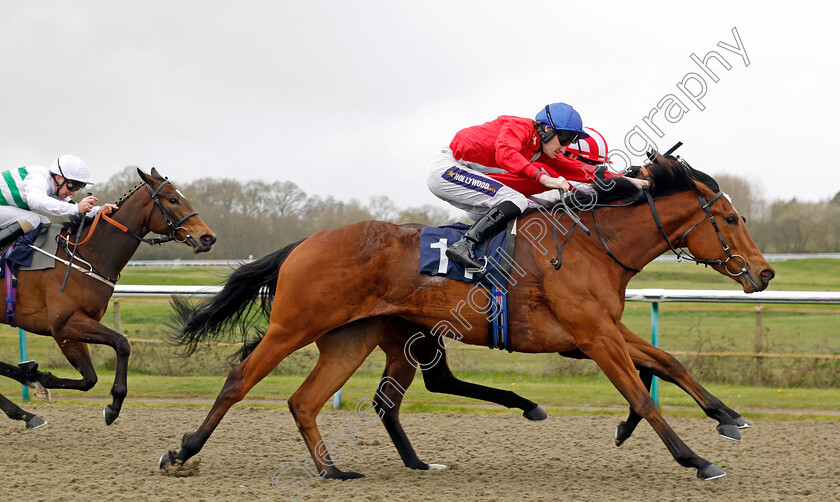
593 148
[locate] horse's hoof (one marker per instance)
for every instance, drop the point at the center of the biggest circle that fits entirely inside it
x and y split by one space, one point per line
42 393
622 433
167 458
35 422
709 472
535 414
742 422
438 467
344 475
110 415
28 366
729 432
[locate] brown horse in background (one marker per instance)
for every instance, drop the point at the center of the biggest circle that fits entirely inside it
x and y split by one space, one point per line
347 288
72 317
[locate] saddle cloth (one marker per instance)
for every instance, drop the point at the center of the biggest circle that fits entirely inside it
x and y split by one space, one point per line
433 260
25 258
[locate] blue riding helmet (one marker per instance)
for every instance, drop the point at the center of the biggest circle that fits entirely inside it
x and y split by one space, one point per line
560 117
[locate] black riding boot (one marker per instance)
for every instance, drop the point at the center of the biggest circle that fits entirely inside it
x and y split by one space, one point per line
463 251
10 234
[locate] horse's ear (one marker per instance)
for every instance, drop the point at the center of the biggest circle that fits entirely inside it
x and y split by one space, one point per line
156 174
144 176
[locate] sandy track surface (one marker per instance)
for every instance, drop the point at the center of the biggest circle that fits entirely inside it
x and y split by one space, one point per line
76 457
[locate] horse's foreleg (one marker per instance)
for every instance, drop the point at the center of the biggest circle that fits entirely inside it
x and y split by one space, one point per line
27 374
80 330
609 351
78 355
651 360
274 347
342 351
15 412
625 429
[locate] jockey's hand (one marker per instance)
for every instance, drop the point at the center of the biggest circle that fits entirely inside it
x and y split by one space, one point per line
639 183
558 182
87 204
110 208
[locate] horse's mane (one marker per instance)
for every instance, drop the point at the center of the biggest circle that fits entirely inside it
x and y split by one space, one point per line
73 221
667 175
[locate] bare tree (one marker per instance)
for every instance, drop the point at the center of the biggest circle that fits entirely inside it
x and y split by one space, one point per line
747 195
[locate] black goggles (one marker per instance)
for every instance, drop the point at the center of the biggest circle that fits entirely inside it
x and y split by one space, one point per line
567 137
74 186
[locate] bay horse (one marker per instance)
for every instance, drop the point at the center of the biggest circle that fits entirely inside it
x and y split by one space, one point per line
346 289
72 317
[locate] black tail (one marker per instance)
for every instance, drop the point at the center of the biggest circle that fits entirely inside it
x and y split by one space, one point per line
233 309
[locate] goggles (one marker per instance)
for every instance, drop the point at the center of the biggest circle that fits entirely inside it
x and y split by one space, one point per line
567 137
74 186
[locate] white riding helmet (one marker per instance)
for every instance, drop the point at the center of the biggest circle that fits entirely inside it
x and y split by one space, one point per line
72 168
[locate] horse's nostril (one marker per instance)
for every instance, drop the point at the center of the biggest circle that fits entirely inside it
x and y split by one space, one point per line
208 239
767 274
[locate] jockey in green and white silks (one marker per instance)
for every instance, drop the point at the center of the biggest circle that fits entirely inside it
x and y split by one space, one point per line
29 193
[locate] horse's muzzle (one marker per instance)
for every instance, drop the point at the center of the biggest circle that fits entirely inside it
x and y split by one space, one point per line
766 276
761 281
203 243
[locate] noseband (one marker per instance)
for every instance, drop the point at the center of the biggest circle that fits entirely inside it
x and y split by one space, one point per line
685 255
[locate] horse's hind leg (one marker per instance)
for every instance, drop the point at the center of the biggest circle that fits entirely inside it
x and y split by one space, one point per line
439 378
15 412
651 360
274 347
342 351
404 340
399 373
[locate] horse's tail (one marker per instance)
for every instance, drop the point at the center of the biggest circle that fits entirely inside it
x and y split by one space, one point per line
233 309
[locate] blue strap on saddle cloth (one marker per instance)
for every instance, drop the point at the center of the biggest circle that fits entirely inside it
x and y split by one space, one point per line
433 261
16 256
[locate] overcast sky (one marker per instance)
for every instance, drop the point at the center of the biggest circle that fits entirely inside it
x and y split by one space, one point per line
352 98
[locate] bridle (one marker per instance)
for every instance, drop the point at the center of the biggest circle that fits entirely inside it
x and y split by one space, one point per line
680 253
174 225
683 254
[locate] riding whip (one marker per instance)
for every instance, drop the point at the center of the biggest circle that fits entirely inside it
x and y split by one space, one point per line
75 247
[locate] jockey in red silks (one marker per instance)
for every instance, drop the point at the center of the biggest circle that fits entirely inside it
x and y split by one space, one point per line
522 152
578 165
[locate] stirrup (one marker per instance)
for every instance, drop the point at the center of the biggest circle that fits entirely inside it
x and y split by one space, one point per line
478 271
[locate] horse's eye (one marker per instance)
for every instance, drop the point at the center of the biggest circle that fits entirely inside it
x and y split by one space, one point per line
173 200
732 220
